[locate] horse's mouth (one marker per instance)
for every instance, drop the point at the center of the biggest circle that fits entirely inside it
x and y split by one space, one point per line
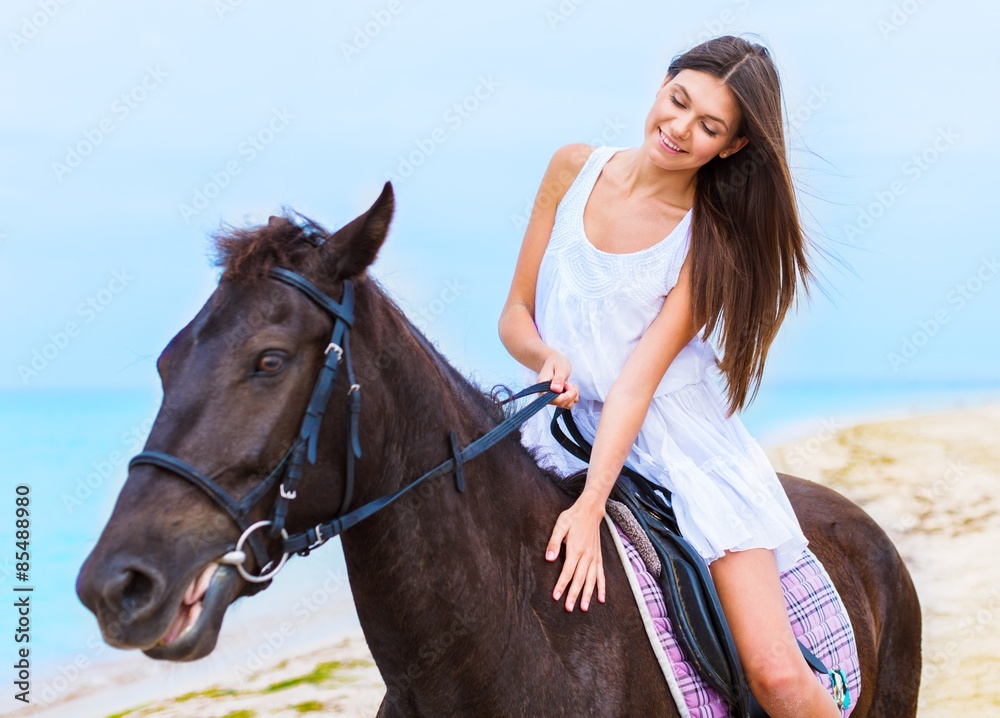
195 627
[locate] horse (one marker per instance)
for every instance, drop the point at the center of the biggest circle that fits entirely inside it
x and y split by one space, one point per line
451 587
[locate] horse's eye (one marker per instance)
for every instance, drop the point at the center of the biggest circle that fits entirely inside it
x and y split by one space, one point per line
270 364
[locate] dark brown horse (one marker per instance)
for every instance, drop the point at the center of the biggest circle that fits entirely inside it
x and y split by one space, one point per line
452 589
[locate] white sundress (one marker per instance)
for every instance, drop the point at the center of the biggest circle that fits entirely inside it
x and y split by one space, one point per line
593 306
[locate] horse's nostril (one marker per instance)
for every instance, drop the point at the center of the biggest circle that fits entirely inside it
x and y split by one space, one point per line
133 590
137 588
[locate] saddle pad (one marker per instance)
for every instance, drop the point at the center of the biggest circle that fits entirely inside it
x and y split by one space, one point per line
815 611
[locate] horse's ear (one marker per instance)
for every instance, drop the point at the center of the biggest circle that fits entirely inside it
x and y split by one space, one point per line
354 246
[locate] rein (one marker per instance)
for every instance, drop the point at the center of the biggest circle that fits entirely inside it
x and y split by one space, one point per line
289 468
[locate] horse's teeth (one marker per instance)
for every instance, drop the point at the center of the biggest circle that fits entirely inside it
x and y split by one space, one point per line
196 591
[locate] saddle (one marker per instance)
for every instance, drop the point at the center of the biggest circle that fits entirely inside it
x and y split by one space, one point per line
689 593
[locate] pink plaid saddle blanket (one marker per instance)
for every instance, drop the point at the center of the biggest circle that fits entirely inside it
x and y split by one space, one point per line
817 614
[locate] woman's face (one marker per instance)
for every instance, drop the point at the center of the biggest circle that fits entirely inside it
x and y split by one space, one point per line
696 113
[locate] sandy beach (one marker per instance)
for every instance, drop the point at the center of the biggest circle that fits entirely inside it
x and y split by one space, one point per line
930 481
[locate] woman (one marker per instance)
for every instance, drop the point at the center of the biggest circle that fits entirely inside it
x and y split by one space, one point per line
620 280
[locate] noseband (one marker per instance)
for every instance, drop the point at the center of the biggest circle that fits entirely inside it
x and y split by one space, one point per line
289 469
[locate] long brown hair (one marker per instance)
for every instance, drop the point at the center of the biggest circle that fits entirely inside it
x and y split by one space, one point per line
747 243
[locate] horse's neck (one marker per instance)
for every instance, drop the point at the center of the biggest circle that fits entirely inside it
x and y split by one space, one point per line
440 562
420 400
434 530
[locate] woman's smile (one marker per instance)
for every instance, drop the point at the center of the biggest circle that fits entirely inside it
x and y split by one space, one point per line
669 145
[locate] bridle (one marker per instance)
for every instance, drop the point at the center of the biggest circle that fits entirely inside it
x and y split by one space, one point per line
288 471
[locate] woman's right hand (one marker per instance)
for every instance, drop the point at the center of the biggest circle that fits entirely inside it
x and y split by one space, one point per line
556 370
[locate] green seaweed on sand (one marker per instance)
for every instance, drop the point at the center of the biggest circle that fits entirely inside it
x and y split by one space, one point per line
322 673
308 707
213 692
130 711
143 709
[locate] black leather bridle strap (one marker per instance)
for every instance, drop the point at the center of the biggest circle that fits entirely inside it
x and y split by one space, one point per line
343 309
353 439
238 511
289 469
305 443
337 349
322 533
321 393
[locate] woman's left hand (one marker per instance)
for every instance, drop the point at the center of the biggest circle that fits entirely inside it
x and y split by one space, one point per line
580 527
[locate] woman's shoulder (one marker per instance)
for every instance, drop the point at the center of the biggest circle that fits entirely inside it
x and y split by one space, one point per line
564 168
567 162
574 156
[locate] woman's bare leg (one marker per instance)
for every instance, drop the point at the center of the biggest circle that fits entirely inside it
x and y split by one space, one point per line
777 674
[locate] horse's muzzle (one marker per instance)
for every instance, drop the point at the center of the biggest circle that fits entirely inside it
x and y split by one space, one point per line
137 607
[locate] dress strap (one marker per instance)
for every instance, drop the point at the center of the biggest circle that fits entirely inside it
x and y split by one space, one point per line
586 178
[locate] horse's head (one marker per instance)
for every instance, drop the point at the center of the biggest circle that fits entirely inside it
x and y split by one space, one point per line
236 384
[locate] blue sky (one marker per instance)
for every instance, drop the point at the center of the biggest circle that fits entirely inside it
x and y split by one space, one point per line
312 106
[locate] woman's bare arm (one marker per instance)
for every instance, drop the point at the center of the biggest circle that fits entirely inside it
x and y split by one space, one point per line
516 326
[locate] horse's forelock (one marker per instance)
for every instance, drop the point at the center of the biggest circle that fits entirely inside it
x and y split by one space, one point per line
247 253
